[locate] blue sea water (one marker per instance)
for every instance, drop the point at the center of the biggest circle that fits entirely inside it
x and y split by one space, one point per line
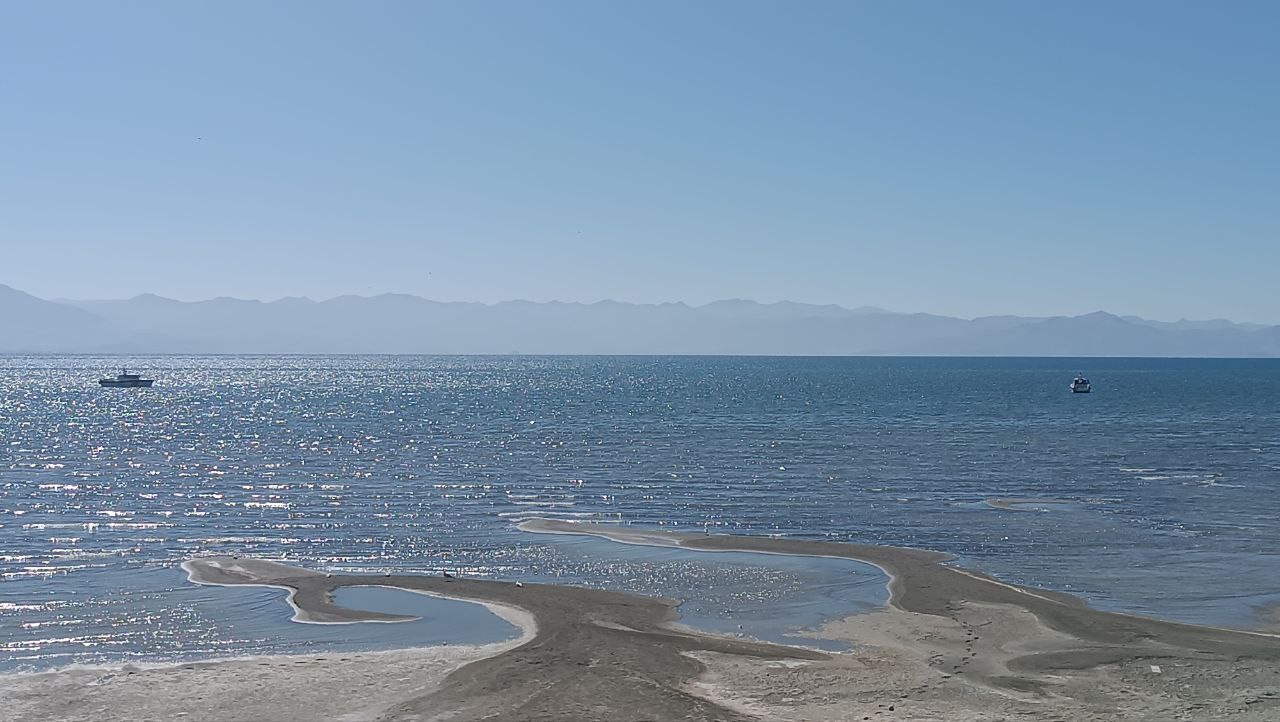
1156 494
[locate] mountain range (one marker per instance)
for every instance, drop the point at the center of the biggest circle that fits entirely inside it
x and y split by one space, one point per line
397 323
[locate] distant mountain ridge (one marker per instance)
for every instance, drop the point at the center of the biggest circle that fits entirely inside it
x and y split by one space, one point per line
399 323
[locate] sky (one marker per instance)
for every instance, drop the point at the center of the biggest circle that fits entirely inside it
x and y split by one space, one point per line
960 158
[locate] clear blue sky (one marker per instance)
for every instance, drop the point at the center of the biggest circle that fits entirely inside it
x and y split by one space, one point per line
961 158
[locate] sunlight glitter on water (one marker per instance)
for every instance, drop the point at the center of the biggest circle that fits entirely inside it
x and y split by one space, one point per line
379 463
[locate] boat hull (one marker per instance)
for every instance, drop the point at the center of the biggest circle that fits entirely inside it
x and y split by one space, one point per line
1079 389
135 384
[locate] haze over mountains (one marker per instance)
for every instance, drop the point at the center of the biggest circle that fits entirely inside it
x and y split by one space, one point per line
396 323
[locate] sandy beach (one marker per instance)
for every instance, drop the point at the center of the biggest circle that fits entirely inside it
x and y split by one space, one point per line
951 645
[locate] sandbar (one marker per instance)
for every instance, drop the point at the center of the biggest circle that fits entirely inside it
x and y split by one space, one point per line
952 644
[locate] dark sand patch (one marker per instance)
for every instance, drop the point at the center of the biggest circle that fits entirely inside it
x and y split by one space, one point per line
590 653
963 645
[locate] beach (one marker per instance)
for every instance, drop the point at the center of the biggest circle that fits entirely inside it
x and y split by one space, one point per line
951 645
635 362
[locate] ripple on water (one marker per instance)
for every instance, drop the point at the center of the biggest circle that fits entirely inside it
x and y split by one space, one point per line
402 463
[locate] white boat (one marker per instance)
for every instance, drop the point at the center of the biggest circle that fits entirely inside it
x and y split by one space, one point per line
1080 384
127 380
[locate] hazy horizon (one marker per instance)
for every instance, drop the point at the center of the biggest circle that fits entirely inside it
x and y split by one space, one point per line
1004 158
402 323
625 301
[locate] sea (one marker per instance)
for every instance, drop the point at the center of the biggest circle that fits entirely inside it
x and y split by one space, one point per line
1156 494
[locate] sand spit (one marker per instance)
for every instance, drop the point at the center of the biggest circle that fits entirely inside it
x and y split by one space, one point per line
586 655
956 644
237 571
952 645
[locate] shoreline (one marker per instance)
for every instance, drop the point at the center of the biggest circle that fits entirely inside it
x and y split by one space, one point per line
910 571
214 572
951 644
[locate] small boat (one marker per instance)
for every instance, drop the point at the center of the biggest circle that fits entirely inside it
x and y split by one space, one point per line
127 380
1080 384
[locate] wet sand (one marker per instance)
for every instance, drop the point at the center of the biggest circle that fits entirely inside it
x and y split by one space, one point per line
957 644
952 645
